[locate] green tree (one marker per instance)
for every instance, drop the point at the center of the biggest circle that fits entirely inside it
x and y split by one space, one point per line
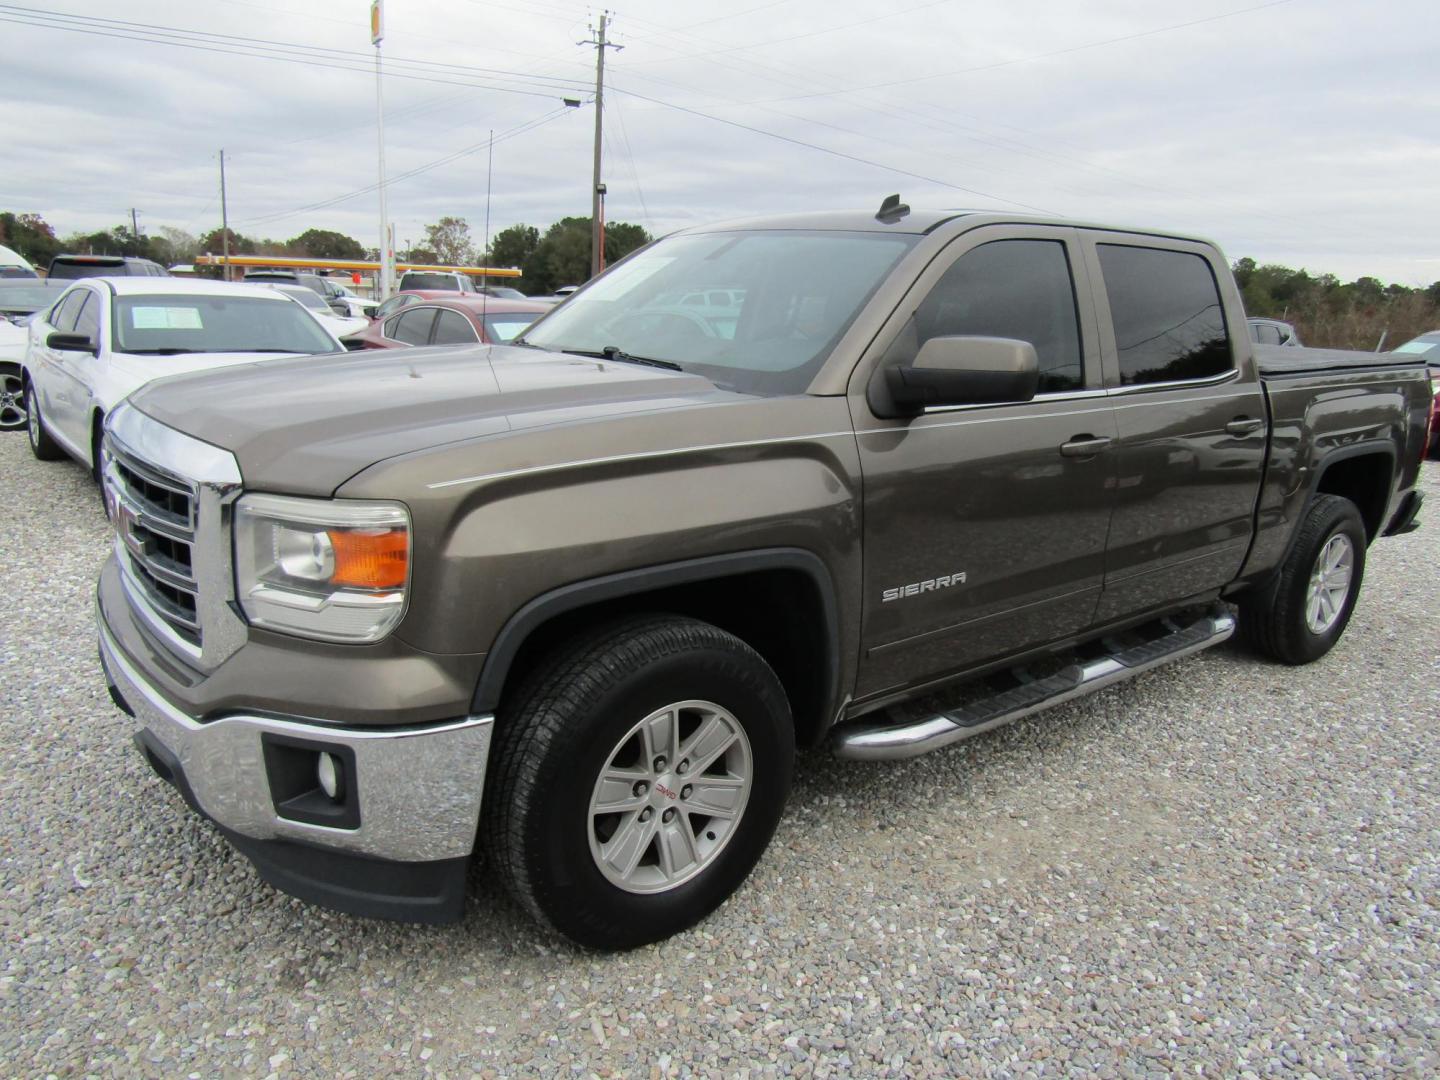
450 239
325 244
562 257
30 236
513 246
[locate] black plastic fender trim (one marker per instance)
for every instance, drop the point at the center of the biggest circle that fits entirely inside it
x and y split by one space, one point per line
649 579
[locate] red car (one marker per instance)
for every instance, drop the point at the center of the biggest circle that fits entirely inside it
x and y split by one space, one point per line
1427 347
453 320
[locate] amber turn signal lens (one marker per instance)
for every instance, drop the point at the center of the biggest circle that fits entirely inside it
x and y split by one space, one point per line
370 559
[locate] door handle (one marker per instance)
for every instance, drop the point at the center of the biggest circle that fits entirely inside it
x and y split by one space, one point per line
1243 425
1085 445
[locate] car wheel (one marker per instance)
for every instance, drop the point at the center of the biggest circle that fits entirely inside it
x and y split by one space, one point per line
637 778
41 444
1300 615
12 398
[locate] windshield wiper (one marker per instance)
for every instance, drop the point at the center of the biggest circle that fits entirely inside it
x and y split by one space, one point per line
156 352
614 352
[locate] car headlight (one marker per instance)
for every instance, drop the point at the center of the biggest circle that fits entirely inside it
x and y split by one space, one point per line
335 570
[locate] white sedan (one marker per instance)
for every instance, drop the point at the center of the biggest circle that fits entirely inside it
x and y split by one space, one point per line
107 337
342 326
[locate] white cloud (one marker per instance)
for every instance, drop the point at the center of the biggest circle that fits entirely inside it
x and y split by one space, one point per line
1302 132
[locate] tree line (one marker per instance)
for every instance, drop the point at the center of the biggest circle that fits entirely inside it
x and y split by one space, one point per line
1328 313
1331 314
560 255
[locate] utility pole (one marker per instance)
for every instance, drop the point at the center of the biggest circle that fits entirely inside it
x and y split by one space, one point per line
224 222
387 245
597 226
134 223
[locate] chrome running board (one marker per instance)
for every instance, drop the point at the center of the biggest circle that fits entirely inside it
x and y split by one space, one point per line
869 740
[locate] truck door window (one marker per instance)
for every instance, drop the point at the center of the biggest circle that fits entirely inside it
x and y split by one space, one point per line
1018 289
1165 305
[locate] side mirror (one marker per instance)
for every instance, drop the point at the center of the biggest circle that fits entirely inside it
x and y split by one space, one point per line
957 371
61 342
339 308
353 344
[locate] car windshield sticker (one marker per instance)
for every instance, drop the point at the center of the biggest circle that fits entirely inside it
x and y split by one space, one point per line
165 318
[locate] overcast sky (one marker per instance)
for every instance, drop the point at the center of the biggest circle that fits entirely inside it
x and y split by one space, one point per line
1305 132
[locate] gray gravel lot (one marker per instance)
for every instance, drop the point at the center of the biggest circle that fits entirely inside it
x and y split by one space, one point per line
1224 868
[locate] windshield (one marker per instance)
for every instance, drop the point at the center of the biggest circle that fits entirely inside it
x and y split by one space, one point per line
508 327
1421 346
309 297
756 312
205 324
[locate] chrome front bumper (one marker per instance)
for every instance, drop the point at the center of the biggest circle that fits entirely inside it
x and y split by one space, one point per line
419 789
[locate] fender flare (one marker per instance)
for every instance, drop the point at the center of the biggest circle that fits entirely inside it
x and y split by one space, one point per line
543 608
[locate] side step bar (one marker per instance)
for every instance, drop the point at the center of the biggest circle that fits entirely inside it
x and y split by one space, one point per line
872 741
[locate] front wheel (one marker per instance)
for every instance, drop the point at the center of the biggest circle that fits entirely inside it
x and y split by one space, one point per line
637 779
41 444
1300 615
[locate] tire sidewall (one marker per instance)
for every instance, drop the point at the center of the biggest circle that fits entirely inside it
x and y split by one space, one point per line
1336 518
576 897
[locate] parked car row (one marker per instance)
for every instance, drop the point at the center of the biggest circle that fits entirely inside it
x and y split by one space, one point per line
72 350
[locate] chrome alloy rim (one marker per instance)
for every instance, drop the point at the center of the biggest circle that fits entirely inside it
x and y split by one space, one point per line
1329 583
670 796
12 402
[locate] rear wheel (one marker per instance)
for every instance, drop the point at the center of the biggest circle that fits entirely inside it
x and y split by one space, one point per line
1303 611
12 398
41 444
637 778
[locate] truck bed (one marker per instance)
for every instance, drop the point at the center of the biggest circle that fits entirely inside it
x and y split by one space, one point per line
1288 360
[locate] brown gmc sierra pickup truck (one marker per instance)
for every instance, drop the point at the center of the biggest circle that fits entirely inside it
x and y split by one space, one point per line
877 481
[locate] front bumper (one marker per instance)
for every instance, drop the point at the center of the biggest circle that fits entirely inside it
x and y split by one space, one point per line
415 794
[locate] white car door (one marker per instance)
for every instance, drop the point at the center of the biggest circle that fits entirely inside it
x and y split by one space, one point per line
46 365
74 376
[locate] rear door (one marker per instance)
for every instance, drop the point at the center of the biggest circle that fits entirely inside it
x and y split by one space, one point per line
984 530
1190 416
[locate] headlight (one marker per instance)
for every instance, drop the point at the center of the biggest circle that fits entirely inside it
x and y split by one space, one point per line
335 570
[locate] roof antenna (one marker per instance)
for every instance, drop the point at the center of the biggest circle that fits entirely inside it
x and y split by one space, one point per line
892 210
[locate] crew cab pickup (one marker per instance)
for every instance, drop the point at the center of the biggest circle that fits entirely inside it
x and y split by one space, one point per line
572 604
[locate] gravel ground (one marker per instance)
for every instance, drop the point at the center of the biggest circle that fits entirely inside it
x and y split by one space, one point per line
1224 868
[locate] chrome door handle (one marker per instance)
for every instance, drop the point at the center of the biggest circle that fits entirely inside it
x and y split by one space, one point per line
1085 445
1243 425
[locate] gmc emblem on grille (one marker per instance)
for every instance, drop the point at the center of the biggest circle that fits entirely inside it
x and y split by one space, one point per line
125 524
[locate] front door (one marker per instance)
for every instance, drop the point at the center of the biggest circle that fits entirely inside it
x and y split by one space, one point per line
985 526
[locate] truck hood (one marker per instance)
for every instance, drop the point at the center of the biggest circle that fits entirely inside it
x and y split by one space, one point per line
305 425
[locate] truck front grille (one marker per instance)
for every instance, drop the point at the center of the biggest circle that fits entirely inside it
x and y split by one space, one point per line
155 518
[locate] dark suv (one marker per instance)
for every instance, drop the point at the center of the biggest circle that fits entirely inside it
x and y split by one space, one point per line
72 267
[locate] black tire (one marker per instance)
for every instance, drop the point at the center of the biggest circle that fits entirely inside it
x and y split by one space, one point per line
41 444
12 398
1274 618
561 730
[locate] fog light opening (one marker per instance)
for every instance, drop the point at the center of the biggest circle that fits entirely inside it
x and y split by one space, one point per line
331 775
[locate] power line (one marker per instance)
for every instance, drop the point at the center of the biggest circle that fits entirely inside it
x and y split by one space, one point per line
310 56
1045 55
832 152
521 129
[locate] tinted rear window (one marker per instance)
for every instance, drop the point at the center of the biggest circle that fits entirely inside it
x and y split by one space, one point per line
1169 324
72 271
431 281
